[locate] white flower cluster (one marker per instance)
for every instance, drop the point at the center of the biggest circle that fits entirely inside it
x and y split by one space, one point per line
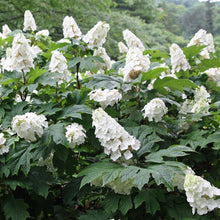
214 75
3 148
105 97
58 64
201 38
44 32
122 47
116 141
75 134
135 64
5 31
132 40
155 109
20 56
101 52
29 125
178 59
29 22
96 36
200 104
201 194
70 28
117 185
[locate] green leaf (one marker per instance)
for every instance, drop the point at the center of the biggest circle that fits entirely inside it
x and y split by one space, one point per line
21 157
172 151
142 178
41 180
55 132
109 177
192 51
15 209
163 174
173 84
152 74
35 73
209 63
75 111
125 204
96 170
94 214
195 139
111 202
104 81
150 198
148 143
74 61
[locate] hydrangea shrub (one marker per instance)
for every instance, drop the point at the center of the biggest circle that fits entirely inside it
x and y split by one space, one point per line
86 137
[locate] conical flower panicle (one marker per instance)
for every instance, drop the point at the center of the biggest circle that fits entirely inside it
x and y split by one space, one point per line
201 195
178 59
132 40
136 63
96 36
116 141
29 22
70 28
20 56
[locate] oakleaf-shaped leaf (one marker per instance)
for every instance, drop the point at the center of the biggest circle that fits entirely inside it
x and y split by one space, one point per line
172 151
15 209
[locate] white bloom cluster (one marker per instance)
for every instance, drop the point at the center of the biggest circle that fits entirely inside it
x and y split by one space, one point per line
155 109
58 64
201 194
132 40
201 38
3 148
44 32
29 125
200 104
96 36
105 97
178 59
214 75
20 56
70 28
29 22
135 64
122 47
101 52
5 31
75 134
116 141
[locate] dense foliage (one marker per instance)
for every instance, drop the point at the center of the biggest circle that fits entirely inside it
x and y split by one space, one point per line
140 156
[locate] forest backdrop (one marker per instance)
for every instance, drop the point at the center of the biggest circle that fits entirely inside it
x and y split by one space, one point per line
158 23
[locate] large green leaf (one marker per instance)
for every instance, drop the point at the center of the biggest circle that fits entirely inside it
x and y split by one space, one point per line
173 84
152 74
97 170
172 151
56 132
104 81
15 209
34 74
125 204
150 198
75 111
